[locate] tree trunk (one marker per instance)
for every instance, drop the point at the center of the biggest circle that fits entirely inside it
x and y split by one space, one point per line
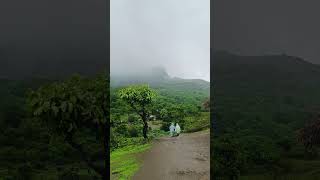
145 128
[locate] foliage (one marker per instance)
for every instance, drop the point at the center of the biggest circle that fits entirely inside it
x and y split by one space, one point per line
139 97
70 107
123 161
166 100
206 104
26 142
197 123
260 150
263 110
228 157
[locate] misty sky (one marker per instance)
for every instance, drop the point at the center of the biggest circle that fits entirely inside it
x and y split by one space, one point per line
254 27
174 34
52 37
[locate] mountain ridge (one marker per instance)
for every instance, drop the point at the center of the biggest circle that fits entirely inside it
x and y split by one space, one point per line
153 76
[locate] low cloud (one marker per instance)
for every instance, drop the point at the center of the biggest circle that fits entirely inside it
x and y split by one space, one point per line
174 34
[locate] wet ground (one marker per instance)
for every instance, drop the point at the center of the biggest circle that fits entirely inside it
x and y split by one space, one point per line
186 157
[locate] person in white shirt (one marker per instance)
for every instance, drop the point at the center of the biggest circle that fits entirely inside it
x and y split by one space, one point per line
172 129
177 129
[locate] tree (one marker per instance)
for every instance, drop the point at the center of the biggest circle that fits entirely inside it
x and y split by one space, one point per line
310 136
206 104
73 105
163 114
139 97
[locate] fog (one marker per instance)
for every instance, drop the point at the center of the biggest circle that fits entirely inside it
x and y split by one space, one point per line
52 38
251 27
174 34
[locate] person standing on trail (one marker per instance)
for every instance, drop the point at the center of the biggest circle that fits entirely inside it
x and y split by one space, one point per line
171 129
177 129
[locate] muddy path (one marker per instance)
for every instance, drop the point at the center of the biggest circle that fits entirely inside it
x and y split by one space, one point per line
186 157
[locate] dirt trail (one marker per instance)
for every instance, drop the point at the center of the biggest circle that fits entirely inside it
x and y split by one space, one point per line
186 157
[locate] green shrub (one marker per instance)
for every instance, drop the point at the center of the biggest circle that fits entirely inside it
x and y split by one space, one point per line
197 123
133 119
228 157
69 174
134 131
260 150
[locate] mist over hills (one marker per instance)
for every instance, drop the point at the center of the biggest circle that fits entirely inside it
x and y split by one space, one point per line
183 90
156 76
147 74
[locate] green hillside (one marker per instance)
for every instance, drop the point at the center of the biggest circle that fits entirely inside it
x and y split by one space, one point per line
28 150
195 90
260 102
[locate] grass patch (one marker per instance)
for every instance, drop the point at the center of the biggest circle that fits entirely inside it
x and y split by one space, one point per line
124 163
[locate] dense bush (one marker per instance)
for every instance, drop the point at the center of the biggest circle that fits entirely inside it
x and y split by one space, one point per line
133 119
228 157
197 123
260 150
134 131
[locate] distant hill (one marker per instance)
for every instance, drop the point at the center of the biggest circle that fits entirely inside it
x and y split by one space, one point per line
152 76
270 95
278 75
158 78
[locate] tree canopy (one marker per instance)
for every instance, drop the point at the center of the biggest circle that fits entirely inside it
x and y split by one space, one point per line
69 107
139 97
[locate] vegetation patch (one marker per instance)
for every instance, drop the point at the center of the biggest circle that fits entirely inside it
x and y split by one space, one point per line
124 162
197 123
